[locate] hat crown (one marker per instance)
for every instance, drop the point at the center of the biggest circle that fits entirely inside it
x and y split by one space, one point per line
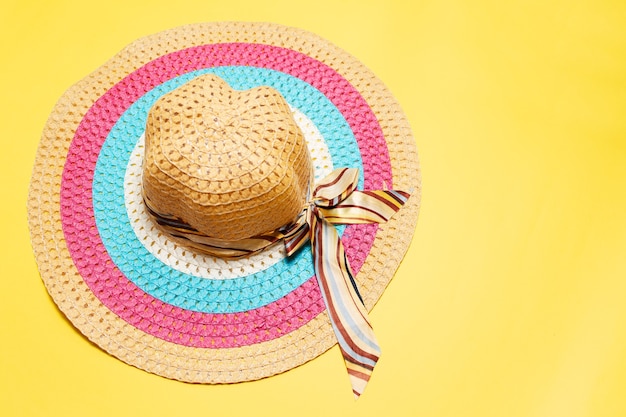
231 164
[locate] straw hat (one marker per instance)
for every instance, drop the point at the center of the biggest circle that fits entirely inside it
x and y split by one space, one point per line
174 186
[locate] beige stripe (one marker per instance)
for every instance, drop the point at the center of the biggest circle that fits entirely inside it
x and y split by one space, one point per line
165 358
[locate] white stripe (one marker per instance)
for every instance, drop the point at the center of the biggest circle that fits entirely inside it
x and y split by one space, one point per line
205 266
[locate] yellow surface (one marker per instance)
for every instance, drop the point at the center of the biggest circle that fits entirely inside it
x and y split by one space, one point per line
511 300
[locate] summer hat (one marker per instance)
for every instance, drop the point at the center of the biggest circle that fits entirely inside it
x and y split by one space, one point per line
223 202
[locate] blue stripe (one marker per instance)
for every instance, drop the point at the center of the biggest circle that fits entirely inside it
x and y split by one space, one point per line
184 290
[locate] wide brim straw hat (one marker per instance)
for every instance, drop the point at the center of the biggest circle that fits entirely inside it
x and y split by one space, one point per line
168 309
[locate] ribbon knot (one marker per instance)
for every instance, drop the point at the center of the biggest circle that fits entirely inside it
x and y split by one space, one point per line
336 201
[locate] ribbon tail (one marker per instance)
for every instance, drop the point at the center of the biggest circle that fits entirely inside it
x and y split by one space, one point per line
347 313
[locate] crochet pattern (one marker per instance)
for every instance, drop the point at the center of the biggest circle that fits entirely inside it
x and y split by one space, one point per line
166 309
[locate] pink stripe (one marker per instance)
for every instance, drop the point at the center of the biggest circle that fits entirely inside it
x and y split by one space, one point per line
142 310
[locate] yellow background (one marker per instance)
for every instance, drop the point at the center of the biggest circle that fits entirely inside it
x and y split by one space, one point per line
511 300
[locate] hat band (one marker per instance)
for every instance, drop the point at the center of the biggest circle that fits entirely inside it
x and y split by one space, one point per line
189 236
334 200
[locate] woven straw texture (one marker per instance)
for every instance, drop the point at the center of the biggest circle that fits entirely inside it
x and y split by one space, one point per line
231 164
228 321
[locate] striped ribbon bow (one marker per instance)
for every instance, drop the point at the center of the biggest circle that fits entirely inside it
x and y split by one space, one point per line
336 201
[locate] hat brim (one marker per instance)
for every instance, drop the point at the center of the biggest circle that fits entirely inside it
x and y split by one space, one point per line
152 325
